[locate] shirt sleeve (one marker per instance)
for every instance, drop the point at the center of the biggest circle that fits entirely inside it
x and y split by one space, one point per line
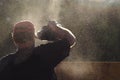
52 54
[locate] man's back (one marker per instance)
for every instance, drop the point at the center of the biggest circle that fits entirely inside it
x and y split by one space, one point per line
40 65
32 70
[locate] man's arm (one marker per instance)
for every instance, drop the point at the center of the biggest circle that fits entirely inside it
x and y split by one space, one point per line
54 31
62 33
52 54
63 39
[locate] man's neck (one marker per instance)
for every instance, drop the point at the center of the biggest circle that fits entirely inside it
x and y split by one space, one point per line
23 54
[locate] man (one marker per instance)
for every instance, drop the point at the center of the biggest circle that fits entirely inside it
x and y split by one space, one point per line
35 63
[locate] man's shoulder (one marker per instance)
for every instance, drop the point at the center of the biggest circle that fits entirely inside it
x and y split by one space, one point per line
6 57
5 60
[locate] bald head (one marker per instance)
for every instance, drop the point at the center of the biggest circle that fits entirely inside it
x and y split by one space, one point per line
23 34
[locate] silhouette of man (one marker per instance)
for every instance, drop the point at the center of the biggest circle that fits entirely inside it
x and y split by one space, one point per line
35 63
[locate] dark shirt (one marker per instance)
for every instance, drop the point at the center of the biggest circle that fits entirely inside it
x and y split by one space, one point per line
39 66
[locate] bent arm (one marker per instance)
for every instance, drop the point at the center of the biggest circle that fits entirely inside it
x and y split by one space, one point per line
63 39
53 53
54 31
64 33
